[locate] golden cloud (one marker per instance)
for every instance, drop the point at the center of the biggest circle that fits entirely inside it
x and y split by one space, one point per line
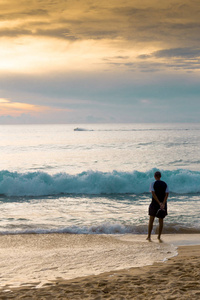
43 36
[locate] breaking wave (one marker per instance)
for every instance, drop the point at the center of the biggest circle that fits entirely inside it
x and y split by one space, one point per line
94 182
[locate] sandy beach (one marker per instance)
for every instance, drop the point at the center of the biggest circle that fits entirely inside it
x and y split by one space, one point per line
175 278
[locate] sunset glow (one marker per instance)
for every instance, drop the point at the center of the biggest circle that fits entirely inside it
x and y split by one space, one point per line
112 55
17 108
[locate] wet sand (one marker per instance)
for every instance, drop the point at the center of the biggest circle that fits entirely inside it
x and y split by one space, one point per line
176 278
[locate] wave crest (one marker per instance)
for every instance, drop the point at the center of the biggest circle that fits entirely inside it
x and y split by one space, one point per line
94 182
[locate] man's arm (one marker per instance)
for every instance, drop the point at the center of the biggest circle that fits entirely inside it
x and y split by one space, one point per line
155 197
165 200
162 204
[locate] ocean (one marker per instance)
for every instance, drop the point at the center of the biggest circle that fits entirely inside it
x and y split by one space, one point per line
95 178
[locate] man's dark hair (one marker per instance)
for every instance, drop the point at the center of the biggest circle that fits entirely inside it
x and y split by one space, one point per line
157 174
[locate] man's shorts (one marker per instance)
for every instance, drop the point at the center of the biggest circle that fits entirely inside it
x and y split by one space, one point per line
153 209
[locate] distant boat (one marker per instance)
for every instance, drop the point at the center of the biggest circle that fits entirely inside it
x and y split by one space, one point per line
82 129
79 129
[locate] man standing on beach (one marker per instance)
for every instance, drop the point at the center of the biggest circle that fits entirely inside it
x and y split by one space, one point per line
158 206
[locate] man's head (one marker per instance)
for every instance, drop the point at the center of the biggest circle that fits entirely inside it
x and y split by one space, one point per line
157 175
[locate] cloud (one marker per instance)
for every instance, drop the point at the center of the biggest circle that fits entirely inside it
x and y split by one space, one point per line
62 33
21 119
186 52
119 57
15 32
186 58
72 34
36 12
17 108
78 98
151 21
99 60
144 56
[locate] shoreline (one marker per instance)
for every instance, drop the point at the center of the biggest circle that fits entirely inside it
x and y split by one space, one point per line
176 278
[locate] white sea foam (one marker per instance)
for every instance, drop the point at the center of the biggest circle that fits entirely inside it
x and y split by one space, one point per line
106 228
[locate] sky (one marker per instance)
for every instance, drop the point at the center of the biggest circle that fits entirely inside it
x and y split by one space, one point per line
97 61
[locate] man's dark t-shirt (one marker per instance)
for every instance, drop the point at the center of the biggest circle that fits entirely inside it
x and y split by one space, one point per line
160 188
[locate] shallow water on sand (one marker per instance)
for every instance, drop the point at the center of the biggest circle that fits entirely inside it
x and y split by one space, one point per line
38 259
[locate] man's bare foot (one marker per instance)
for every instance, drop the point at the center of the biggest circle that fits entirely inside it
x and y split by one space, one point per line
159 239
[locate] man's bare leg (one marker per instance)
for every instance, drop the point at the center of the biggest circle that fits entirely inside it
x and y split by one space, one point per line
150 227
160 228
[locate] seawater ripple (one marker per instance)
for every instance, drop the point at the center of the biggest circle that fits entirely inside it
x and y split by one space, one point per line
180 181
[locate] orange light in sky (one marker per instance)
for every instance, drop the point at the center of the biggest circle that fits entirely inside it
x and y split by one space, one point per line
16 109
